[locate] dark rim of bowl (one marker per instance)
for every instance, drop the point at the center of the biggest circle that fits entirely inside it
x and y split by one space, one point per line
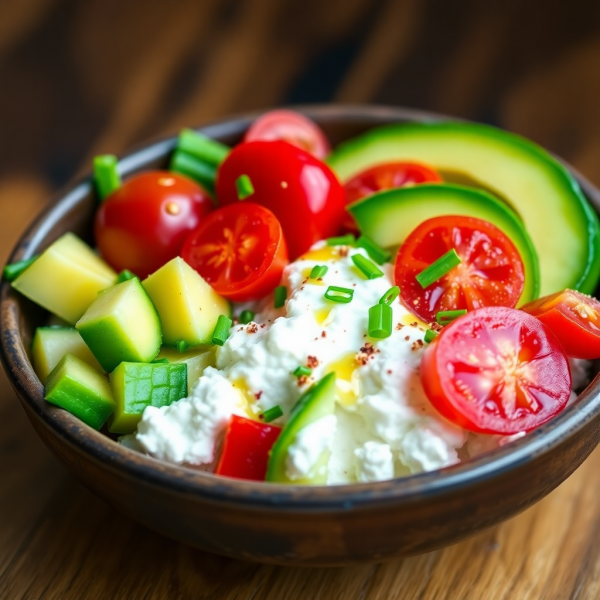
260 495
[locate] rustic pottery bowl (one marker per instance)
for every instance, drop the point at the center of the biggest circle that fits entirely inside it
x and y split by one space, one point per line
273 523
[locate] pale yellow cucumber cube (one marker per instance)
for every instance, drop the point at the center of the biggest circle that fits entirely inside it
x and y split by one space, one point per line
66 278
197 360
188 307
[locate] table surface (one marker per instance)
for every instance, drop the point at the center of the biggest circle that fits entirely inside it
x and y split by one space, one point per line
78 79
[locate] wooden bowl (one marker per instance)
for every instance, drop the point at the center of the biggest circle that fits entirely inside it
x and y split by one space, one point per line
273 523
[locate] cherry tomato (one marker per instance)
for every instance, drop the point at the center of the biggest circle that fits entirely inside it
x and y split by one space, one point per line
302 192
574 318
383 177
246 449
240 250
290 126
496 370
143 224
490 273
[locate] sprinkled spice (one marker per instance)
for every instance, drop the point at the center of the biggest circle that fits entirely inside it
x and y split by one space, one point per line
399 326
252 328
312 362
366 353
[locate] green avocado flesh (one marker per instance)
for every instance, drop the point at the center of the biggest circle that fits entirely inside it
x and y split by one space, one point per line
389 217
563 226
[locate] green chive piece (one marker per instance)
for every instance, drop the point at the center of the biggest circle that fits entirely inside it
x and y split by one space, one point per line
442 266
380 321
342 240
390 295
194 168
280 296
125 275
206 149
443 317
244 187
341 295
430 335
271 414
377 253
12 271
318 271
221 332
246 316
106 176
366 267
182 345
160 361
302 371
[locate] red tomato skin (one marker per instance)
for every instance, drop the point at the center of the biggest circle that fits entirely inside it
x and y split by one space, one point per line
143 224
562 313
245 453
303 192
290 126
542 357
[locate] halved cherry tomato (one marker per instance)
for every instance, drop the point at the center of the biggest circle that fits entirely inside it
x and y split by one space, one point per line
143 224
246 449
383 177
290 126
240 250
574 318
496 370
491 272
303 192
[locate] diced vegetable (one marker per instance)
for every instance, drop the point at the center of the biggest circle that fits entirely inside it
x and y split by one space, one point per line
196 359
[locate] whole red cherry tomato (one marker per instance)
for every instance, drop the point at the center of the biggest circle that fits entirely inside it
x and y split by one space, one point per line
240 250
290 126
491 272
303 192
143 224
574 318
496 370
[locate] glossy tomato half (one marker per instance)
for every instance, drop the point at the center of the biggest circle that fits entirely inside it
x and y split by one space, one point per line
491 272
143 224
574 318
240 250
496 370
302 192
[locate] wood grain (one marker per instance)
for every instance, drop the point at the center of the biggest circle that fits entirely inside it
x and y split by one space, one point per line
104 75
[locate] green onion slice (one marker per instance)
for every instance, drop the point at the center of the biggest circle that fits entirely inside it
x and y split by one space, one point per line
159 361
271 414
390 295
12 271
221 332
378 254
302 371
246 316
430 335
341 295
244 187
206 149
318 271
443 317
280 296
182 345
194 168
106 175
442 266
125 275
380 321
368 269
343 240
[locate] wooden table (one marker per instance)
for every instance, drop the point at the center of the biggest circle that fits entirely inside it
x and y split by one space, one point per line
77 79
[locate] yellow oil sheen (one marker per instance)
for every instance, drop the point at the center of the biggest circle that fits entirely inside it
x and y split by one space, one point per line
346 384
322 254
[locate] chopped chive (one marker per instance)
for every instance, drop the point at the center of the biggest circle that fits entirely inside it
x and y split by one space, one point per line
271 414
182 345
221 332
342 240
246 316
280 296
12 271
380 321
244 187
318 271
368 269
339 294
443 317
377 253
202 147
194 168
430 335
390 295
160 361
302 371
125 275
442 266
106 176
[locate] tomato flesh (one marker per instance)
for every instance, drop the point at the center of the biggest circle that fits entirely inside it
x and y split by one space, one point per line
491 272
143 224
574 318
240 250
496 370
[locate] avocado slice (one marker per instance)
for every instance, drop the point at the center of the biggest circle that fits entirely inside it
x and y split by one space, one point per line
388 218
563 226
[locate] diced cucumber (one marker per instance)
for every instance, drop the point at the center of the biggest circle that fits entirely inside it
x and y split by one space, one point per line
188 307
121 325
50 344
137 385
197 359
66 278
81 390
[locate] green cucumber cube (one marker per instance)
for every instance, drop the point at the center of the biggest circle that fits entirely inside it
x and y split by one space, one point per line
137 385
122 325
81 390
